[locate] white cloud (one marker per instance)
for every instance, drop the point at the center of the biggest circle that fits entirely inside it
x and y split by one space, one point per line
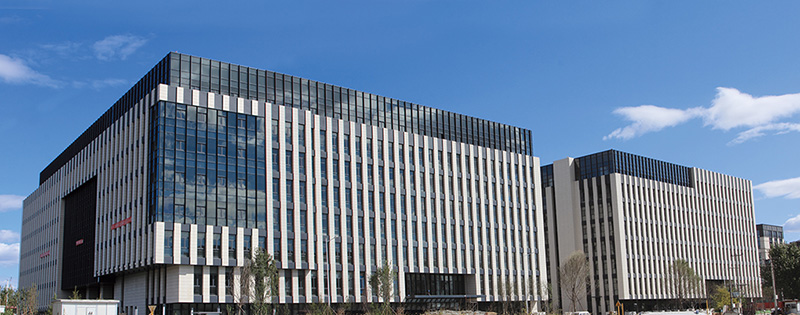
14 70
760 131
9 254
649 118
792 225
9 240
730 109
787 188
9 236
10 202
117 46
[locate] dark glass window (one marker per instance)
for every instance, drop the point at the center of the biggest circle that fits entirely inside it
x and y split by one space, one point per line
198 280
232 245
289 168
323 140
217 246
335 142
213 283
347 144
228 281
185 244
301 163
275 126
247 246
288 133
168 245
201 244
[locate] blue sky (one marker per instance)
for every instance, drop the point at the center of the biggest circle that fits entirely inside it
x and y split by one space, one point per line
712 84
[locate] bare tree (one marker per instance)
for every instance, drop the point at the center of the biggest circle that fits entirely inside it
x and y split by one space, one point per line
507 294
543 292
683 280
28 301
244 283
532 289
264 285
574 274
547 298
381 281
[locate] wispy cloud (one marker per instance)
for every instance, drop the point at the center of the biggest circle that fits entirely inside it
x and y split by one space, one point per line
760 131
66 49
9 236
99 84
786 188
10 202
10 19
9 254
730 109
649 118
792 225
19 68
117 46
14 70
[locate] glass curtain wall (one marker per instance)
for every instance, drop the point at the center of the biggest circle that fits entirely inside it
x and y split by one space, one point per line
207 166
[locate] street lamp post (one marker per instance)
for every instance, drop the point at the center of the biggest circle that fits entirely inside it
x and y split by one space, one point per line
330 269
774 288
734 285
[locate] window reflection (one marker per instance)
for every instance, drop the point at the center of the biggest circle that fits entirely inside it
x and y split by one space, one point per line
190 180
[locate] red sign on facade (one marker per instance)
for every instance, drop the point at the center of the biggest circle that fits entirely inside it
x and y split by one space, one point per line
45 254
122 223
78 242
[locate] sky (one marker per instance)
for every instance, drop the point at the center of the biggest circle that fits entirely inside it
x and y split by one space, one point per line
712 84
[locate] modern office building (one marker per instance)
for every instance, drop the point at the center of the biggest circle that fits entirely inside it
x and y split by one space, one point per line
634 216
768 236
167 195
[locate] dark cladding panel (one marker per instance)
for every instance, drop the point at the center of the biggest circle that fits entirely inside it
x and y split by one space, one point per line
613 161
547 175
427 284
78 241
340 103
225 78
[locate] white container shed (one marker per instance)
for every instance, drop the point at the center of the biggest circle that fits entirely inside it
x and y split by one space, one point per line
86 307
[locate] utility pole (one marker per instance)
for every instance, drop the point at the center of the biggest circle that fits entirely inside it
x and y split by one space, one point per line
735 285
774 289
330 270
705 283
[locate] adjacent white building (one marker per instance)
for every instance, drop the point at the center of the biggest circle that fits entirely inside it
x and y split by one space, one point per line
634 216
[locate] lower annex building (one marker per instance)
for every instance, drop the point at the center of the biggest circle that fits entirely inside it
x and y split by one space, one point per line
166 196
634 216
768 236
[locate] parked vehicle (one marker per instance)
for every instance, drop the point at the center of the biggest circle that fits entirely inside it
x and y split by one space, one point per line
790 307
787 307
